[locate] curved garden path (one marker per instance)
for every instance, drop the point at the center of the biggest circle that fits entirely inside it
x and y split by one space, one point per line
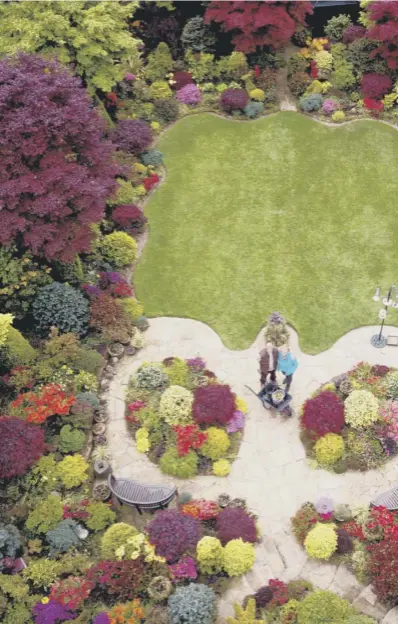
271 471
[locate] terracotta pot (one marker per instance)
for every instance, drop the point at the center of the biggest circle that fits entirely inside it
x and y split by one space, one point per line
99 428
102 468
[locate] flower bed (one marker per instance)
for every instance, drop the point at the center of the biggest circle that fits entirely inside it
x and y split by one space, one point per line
351 423
296 602
184 418
363 538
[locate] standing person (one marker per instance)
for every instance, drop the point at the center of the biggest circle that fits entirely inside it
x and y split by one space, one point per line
287 364
268 363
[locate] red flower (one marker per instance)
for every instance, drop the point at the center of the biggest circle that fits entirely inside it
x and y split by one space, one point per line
189 436
373 105
314 70
49 401
257 71
150 181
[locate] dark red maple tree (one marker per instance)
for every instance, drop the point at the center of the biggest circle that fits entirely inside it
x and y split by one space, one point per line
257 24
56 168
385 30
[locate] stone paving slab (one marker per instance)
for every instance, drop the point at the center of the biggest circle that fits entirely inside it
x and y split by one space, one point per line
271 472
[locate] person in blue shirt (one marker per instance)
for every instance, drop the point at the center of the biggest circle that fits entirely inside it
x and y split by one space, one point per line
287 364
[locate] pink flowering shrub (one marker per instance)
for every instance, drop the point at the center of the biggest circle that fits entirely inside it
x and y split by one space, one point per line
190 94
389 413
328 107
236 423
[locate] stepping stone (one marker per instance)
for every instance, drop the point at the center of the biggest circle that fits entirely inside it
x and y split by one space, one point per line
367 603
391 617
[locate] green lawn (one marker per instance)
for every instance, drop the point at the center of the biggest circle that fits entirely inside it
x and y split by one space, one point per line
277 214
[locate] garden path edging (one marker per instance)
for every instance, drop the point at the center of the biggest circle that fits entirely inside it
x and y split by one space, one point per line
271 471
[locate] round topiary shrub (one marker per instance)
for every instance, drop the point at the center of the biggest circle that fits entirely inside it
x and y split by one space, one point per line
176 406
361 409
132 135
323 607
338 116
217 443
118 248
329 106
321 541
323 414
263 596
167 110
114 537
213 404
234 523
182 467
209 554
193 604
233 100
221 468
329 449
22 444
61 306
172 533
253 109
238 557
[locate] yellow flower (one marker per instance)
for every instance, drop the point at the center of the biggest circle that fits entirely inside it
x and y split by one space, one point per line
45 600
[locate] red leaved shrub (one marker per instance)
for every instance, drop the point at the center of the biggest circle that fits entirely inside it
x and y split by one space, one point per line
122 579
384 569
181 78
71 591
108 316
323 414
213 404
130 218
233 100
233 523
21 445
172 533
352 33
374 105
56 169
375 86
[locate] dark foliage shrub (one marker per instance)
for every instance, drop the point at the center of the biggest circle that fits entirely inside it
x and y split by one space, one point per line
9 543
233 523
384 569
266 79
130 218
56 169
352 33
197 36
263 596
172 534
61 306
167 110
298 83
233 100
344 542
323 414
375 85
132 135
181 78
213 404
21 445
361 54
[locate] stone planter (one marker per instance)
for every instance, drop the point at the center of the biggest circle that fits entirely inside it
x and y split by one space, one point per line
142 323
99 428
102 468
101 416
81 532
101 492
130 350
100 440
116 350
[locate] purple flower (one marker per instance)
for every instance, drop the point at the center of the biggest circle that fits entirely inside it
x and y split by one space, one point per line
189 94
52 613
324 505
91 290
129 77
196 362
236 423
101 618
185 568
276 318
328 107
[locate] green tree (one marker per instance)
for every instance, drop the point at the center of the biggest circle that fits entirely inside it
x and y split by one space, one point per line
160 63
92 36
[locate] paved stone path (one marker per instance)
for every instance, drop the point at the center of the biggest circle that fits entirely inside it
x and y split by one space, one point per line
271 471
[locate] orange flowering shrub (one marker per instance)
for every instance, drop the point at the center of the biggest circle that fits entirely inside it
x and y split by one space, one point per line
201 509
128 613
36 407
